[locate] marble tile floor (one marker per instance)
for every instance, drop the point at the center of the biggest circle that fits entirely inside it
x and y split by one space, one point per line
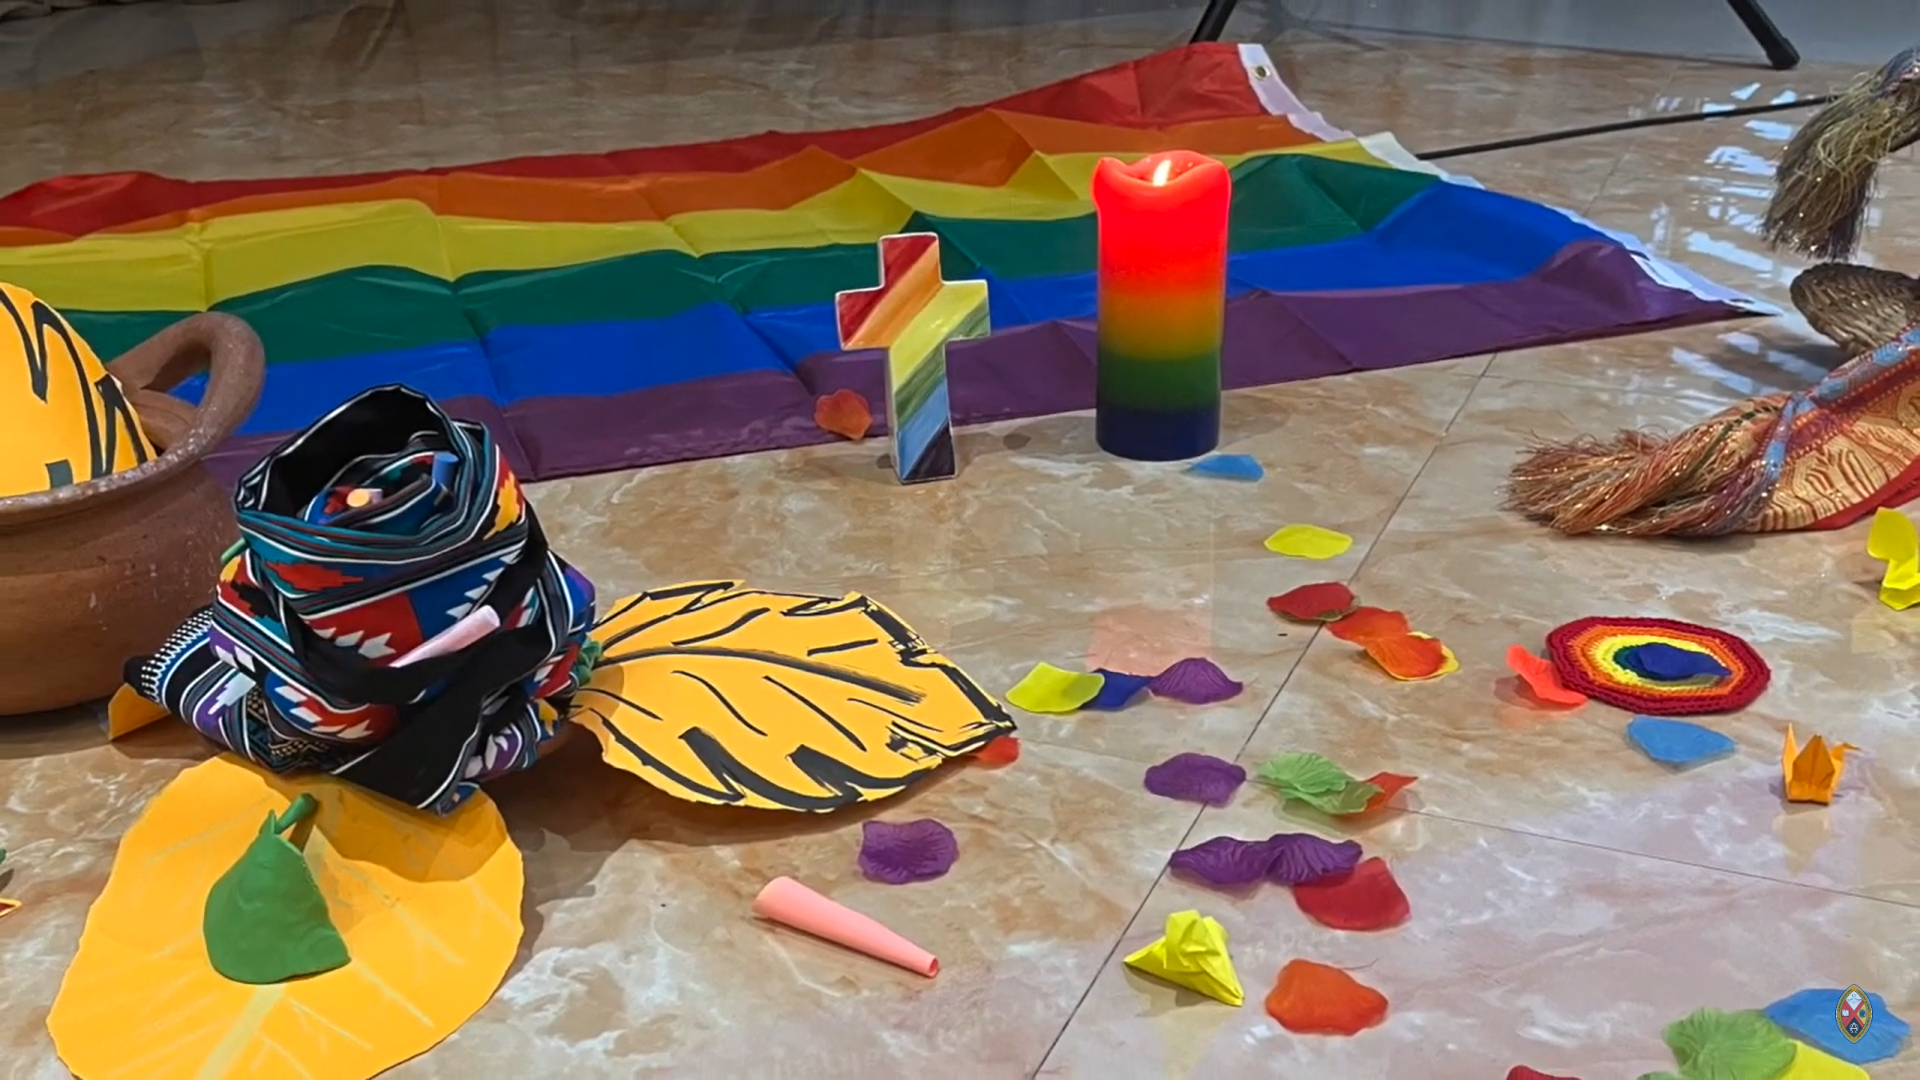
1570 898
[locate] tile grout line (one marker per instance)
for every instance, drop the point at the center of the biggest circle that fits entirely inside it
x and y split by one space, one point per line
1265 713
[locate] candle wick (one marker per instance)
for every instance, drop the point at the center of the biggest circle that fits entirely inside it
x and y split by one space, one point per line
1160 172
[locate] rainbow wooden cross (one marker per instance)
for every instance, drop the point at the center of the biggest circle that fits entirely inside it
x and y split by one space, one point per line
913 314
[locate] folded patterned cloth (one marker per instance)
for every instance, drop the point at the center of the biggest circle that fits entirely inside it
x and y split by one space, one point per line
392 615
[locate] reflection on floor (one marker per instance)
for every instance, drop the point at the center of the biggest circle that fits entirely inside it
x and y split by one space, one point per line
1569 897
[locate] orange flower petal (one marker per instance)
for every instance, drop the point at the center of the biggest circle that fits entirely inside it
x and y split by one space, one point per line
1409 656
1390 784
1314 999
1004 750
1540 678
844 413
1369 622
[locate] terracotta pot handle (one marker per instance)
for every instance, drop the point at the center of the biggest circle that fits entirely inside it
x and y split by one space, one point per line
223 346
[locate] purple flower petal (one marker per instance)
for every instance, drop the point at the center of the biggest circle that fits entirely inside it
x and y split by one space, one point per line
912 851
1200 778
1299 858
1118 690
1224 862
1195 681
1283 858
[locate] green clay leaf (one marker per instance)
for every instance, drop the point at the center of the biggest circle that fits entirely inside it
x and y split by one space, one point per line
1716 1045
265 920
1312 779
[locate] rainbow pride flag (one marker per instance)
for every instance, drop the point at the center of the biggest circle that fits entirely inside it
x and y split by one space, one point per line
663 304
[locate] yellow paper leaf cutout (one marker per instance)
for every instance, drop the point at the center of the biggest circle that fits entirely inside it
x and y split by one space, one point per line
63 418
717 693
1308 542
429 908
128 712
1893 540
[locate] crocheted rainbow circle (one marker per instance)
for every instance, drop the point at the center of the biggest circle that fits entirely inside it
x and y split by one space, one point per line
1596 657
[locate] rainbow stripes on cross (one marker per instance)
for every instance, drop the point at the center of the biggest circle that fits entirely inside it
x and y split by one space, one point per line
914 314
677 302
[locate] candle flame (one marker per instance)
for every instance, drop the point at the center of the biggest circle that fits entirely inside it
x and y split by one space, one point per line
1160 172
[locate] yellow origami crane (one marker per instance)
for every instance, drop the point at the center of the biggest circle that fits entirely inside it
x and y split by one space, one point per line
1894 541
1193 954
1811 774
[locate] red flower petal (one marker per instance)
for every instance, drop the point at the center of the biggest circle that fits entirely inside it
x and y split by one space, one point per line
1390 784
1407 656
844 413
1540 678
1367 899
1324 602
1369 622
1314 999
1004 750
1521 1072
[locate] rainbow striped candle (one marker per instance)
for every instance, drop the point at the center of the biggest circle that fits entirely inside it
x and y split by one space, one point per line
1162 304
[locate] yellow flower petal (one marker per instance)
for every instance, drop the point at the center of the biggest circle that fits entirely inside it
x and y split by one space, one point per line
1308 542
1048 689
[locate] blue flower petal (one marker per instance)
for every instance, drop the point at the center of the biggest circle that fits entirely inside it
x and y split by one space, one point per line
1228 467
1676 742
1118 690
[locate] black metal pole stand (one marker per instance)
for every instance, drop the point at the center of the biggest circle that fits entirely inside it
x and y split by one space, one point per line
1213 21
1780 52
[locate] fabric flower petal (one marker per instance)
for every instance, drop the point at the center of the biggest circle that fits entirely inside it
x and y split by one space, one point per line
1299 858
1117 690
999 752
1314 999
1195 681
844 413
1366 899
1678 743
898 854
1408 657
1200 778
1224 862
1048 689
1363 623
1308 542
1321 602
1228 467
1390 784
1312 779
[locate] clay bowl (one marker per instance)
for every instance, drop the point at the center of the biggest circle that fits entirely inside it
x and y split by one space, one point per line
98 572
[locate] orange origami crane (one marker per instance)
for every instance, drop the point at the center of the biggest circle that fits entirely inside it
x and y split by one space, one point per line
1811 774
